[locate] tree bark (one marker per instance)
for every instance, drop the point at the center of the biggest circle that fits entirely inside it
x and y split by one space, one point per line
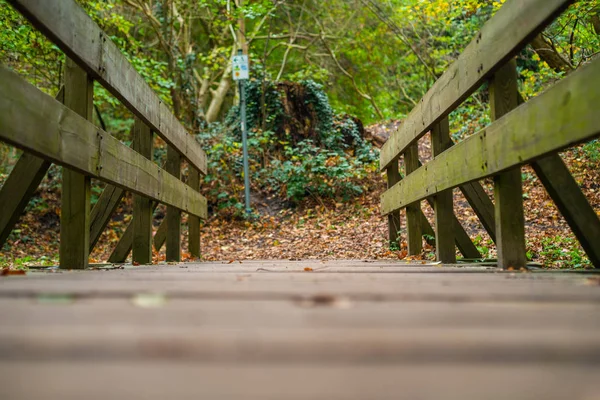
549 54
218 96
596 22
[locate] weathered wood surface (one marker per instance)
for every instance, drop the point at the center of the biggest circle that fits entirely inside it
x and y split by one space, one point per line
461 237
571 202
143 208
33 121
463 241
105 207
20 185
508 186
125 244
268 329
160 236
173 217
502 37
16 192
563 116
482 206
393 177
193 221
414 231
168 380
68 25
123 247
443 204
102 212
76 186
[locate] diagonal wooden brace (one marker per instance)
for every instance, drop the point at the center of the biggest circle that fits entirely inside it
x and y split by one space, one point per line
571 202
18 189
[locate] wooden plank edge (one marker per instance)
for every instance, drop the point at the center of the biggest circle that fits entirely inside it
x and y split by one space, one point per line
563 116
74 142
67 25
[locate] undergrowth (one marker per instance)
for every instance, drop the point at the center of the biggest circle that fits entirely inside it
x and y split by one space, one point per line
333 164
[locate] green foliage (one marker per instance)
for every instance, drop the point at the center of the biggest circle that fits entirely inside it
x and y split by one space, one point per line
483 246
23 263
336 165
273 112
590 151
310 170
564 252
317 97
28 52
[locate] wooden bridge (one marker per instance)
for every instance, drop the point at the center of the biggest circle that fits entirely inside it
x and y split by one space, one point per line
303 329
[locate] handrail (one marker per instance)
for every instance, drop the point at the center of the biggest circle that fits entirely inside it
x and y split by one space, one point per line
501 37
74 32
530 133
34 121
563 116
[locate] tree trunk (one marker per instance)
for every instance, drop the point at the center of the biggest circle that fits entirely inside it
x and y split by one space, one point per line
218 96
596 22
203 92
548 54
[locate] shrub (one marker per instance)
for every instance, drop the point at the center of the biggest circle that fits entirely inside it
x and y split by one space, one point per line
305 150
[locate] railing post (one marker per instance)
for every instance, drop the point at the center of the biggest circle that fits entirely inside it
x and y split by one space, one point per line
194 221
173 218
142 206
442 202
508 190
76 187
414 227
393 177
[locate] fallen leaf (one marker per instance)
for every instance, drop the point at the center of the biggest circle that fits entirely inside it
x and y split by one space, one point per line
593 281
55 298
308 269
10 272
149 300
325 300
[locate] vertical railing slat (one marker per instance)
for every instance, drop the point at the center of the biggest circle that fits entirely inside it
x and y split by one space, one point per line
393 177
173 166
194 221
76 187
508 189
442 202
414 226
142 206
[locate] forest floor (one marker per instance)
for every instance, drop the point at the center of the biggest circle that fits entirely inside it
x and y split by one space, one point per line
321 228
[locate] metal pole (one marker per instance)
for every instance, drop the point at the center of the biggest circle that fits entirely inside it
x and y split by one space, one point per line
245 145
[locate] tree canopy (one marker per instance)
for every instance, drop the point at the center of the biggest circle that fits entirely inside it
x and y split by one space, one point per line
375 58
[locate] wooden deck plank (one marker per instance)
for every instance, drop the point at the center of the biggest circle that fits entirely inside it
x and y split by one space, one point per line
257 315
270 329
165 380
298 331
281 280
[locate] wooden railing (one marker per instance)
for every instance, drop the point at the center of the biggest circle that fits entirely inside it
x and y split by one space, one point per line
60 131
529 133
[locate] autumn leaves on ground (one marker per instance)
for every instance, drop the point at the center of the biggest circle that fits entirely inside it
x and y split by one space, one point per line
322 228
